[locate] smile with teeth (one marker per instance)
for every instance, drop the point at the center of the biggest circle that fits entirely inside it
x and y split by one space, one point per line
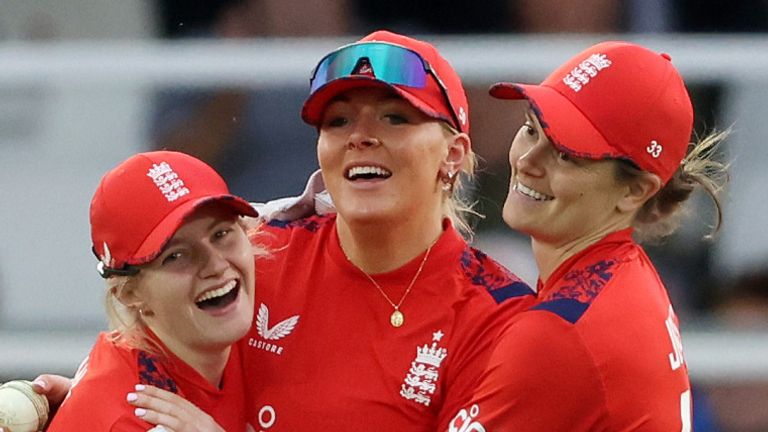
530 193
367 172
219 292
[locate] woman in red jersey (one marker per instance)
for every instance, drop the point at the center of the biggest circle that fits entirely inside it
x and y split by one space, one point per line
179 272
392 314
603 155
379 316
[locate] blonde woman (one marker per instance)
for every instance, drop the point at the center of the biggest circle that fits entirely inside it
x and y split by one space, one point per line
179 272
378 317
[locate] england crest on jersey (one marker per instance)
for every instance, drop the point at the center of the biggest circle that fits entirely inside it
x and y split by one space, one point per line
421 381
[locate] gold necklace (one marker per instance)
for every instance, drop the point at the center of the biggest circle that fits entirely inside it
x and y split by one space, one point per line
397 318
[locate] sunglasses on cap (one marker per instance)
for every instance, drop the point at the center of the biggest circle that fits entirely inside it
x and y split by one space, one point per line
392 64
106 272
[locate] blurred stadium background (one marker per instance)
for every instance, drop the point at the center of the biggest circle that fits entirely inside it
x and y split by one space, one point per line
84 84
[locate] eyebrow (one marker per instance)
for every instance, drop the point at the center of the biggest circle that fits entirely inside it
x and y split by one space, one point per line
337 98
173 241
344 98
529 115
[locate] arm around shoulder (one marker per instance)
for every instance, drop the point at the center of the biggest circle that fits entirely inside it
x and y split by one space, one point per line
540 377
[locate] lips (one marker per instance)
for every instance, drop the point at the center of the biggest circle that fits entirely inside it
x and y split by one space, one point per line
531 193
218 298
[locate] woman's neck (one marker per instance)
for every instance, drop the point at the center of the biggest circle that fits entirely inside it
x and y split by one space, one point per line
550 255
210 364
381 247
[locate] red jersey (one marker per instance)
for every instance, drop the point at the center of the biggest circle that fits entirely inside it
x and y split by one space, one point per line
97 399
323 356
601 351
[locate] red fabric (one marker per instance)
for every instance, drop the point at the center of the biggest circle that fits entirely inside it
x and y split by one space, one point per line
614 100
429 99
141 203
97 401
609 370
343 366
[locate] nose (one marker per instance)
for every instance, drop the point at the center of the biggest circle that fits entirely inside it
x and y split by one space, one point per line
363 134
214 263
531 162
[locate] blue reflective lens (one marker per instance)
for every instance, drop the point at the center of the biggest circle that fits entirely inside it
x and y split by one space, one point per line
389 63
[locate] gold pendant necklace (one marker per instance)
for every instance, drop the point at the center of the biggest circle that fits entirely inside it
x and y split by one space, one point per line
397 318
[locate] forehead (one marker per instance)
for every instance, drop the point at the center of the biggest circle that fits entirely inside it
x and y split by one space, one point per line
204 217
367 95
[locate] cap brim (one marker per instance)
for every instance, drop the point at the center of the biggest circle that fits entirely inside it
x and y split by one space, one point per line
164 231
565 126
314 106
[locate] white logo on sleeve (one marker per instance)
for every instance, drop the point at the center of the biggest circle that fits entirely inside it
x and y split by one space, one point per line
464 421
676 358
279 331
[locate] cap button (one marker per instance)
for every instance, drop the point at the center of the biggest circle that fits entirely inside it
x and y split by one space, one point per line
666 56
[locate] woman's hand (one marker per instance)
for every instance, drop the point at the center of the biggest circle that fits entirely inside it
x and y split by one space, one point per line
171 411
53 387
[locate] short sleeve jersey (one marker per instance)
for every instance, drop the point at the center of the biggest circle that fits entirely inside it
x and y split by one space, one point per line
97 401
322 354
601 351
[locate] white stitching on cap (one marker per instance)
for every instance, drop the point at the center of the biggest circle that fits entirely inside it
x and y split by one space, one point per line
580 76
654 149
167 181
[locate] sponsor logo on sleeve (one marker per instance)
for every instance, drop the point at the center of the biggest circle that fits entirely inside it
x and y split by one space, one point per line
465 421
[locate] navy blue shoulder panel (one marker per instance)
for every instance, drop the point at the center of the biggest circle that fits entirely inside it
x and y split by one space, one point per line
568 309
151 374
576 291
311 224
514 289
497 280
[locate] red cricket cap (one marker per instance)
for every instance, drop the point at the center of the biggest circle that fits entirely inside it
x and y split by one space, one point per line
614 100
140 204
430 100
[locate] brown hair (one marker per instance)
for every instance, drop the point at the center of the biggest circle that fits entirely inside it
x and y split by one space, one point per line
660 216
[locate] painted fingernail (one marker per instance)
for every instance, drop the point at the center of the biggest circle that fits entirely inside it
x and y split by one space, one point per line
140 387
131 397
140 412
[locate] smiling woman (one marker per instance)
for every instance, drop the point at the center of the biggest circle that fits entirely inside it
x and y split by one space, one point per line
604 154
390 315
179 272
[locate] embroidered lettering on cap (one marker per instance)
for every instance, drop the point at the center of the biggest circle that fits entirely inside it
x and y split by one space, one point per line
580 76
654 149
167 181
